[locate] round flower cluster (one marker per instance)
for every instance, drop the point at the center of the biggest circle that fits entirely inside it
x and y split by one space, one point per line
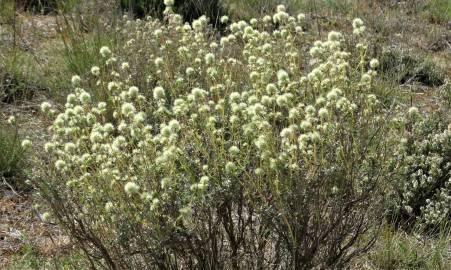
358 26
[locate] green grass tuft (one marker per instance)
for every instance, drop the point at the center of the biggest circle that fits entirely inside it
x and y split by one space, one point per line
438 11
12 154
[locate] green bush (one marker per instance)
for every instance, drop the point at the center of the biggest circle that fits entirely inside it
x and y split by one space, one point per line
403 68
19 76
12 157
183 150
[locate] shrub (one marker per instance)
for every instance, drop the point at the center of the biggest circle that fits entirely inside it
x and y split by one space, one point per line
407 69
184 151
423 164
12 157
18 79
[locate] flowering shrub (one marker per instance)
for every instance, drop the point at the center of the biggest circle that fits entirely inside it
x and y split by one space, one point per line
188 151
423 163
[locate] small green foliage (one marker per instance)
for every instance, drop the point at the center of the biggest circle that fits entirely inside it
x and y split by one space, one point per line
12 157
438 11
28 258
396 249
18 77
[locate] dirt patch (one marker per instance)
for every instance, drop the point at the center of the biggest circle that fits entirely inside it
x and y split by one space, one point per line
21 226
30 31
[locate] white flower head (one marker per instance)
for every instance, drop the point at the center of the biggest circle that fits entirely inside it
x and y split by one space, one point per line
209 58
334 36
69 147
133 91
301 17
125 66
174 125
131 188
46 216
158 93
26 143
323 113
11 120
281 8
85 98
357 23
127 109
189 71
105 51
198 24
45 107
224 19
198 93
95 70
76 80
169 3
366 78
139 117
112 86
230 167
413 112
158 61
60 165
359 31
234 150
282 76
374 63
109 206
